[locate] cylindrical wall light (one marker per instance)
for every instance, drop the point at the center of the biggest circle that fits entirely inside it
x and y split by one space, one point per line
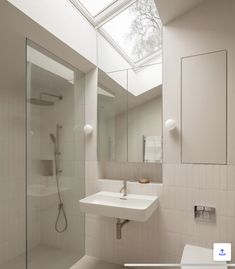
88 129
170 124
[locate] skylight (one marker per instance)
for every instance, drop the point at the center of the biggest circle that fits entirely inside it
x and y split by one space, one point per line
95 7
136 31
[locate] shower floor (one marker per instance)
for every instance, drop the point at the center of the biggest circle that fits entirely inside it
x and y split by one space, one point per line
88 262
43 257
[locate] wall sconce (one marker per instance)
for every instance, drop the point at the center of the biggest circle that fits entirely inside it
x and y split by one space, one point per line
88 129
170 124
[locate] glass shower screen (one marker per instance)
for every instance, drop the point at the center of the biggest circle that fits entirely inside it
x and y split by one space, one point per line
55 161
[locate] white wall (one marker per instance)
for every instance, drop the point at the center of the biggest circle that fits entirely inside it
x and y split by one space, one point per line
25 27
80 36
43 210
209 27
145 78
12 143
62 20
91 170
69 114
197 32
15 27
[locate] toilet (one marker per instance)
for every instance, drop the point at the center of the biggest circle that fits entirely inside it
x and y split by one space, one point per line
198 255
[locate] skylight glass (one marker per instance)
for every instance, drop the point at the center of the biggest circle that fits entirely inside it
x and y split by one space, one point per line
94 7
136 31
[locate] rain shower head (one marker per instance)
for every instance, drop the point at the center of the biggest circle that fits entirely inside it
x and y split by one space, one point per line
52 137
40 102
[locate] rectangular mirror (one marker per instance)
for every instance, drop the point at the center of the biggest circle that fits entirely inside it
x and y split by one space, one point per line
145 126
204 108
112 119
129 121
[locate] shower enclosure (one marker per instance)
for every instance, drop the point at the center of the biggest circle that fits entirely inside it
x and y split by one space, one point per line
55 161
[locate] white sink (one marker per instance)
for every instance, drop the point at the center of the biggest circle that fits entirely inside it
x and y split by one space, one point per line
111 204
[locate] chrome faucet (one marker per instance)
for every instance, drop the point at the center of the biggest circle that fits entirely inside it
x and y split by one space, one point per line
124 188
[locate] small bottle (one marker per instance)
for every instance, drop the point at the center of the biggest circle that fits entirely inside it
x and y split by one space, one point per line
143 181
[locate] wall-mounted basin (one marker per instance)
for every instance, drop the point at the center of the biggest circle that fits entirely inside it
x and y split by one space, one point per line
111 204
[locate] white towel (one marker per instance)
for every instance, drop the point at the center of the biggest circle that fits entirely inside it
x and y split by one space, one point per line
152 149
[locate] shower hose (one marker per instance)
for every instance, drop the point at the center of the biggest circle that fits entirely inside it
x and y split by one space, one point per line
61 210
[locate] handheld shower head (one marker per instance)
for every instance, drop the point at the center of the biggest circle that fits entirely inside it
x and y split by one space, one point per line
52 137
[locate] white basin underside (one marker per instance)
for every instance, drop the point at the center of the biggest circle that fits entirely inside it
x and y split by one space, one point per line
110 204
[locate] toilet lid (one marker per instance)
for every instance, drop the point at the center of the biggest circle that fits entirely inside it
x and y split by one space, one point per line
199 255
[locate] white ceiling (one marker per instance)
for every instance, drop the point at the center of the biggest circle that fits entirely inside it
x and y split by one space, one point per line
171 9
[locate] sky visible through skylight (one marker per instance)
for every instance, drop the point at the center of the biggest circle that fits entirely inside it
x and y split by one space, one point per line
137 30
95 6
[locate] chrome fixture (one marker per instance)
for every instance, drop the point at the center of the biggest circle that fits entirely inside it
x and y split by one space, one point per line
124 188
58 171
204 213
42 102
60 97
39 102
120 223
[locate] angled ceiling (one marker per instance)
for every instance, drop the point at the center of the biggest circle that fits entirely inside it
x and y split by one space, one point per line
171 9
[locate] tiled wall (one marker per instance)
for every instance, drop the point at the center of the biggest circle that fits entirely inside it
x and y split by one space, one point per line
131 171
187 185
15 27
12 177
140 240
163 237
42 211
12 144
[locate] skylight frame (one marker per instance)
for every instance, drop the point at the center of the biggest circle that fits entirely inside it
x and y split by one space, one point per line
133 64
107 14
101 11
114 44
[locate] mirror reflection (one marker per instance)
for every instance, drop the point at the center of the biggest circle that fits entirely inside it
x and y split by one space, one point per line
145 126
112 120
129 120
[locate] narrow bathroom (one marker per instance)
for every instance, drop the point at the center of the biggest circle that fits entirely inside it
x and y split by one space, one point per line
117 134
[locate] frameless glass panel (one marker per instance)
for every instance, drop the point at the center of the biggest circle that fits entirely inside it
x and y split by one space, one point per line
145 114
95 7
145 125
112 117
137 31
55 161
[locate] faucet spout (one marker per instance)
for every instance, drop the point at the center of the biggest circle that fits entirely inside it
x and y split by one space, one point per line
124 188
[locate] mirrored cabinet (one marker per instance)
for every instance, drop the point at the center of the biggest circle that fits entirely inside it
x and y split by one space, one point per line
112 120
129 121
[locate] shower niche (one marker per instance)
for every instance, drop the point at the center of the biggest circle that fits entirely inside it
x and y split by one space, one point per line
55 160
